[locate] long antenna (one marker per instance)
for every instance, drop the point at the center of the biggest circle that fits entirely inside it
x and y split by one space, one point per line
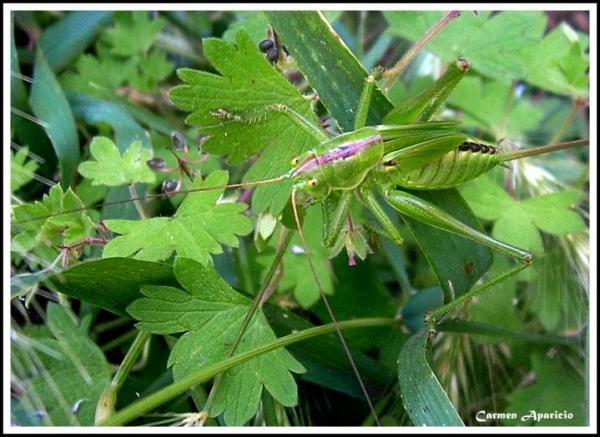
155 196
509 156
330 311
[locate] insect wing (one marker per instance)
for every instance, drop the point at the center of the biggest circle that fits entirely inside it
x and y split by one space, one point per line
424 152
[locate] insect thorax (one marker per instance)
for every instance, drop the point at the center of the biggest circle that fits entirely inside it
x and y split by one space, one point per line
341 163
471 159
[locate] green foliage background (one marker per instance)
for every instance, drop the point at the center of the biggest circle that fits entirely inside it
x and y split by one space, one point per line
96 94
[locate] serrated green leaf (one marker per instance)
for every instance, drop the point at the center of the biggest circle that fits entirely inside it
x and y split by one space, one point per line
486 198
110 168
494 44
97 76
247 83
63 387
133 33
211 314
424 398
516 228
22 170
51 107
558 63
150 71
36 224
198 228
546 396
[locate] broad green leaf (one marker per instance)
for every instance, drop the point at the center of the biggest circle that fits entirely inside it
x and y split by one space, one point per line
494 44
51 107
36 225
133 33
119 280
198 228
150 71
96 76
559 63
515 227
247 83
64 377
545 395
112 169
424 398
67 38
210 313
328 65
552 213
22 170
505 115
519 222
254 23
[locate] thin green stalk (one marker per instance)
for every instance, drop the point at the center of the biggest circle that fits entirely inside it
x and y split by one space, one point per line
560 132
137 202
393 73
285 239
268 408
142 406
108 399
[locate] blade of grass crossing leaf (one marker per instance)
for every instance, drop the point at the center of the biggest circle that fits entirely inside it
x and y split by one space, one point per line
329 66
424 398
51 107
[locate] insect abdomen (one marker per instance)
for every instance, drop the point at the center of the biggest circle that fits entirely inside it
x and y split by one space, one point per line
466 162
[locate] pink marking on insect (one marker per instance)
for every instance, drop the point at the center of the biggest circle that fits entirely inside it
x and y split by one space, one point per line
343 151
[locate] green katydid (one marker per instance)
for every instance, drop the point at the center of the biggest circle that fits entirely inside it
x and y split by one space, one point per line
407 152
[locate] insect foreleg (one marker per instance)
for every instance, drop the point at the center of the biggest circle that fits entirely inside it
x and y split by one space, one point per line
258 115
334 220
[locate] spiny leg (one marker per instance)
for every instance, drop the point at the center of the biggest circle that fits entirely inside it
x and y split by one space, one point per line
258 115
425 212
367 196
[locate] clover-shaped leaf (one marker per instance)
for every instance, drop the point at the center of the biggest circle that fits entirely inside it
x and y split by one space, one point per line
112 169
44 222
197 229
210 314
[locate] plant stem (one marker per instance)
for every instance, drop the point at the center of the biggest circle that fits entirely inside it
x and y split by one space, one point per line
152 401
560 132
108 399
136 201
285 238
393 73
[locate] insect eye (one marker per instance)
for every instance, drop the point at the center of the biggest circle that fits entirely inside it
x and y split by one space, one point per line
295 162
313 182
